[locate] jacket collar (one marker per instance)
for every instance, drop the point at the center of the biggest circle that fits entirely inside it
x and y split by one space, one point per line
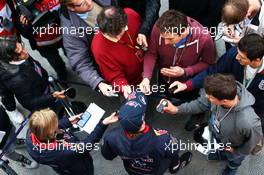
131 136
50 145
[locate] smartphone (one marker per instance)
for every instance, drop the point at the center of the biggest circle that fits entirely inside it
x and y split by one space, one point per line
84 118
162 105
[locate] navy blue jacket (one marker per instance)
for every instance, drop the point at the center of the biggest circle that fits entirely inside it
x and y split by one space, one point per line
67 159
228 64
144 153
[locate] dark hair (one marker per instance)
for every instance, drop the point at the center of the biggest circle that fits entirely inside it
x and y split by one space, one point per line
112 20
234 11
66 2
221 86
7 48
252 45
172 21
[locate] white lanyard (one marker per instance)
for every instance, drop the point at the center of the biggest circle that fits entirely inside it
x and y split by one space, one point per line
226 114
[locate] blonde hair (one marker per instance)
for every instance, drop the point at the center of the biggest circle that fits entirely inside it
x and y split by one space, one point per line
43 124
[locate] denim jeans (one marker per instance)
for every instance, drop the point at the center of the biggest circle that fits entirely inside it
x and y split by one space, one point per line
234 160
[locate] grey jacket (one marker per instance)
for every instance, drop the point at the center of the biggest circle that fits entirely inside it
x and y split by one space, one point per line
241 127
77 46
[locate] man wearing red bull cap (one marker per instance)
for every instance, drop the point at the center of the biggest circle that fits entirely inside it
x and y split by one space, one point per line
143 149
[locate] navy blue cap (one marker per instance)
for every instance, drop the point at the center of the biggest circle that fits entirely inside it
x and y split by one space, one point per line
132 113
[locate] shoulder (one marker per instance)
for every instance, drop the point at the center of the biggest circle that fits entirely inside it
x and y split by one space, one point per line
162 135
113 134
248 119
131 13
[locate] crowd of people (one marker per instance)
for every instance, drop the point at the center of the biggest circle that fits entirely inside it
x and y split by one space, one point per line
205 57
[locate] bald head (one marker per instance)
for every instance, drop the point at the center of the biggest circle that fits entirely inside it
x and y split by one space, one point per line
234 11
112 20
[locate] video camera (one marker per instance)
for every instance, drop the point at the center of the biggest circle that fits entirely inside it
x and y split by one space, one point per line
44 20
34 15
27 8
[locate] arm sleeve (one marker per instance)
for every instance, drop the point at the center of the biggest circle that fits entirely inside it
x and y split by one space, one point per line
81 60
107 151
253 136
7 98
207 57
151 55
224 65
24 95
96 135
112 72
170 148
64 123
197 106
151 15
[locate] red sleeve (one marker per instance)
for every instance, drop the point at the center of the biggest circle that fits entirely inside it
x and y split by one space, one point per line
111 72
207 55
151 55
189 85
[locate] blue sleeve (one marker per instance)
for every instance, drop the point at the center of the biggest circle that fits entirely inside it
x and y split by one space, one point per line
168 146
96 135
64 123
223 65
106 150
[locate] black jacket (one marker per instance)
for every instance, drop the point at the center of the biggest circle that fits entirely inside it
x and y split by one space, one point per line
26 84
66 159
5 125
207 12
147 9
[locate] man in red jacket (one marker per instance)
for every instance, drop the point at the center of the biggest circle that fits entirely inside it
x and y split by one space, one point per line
182 48
115 50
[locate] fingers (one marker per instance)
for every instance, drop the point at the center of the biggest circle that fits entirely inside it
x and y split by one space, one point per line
126 91
145 43
142 40
107 90
23 20
79 115
169 108
175 83
145 87
167 72
174 71
139 41
74 119
113 114
59 94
